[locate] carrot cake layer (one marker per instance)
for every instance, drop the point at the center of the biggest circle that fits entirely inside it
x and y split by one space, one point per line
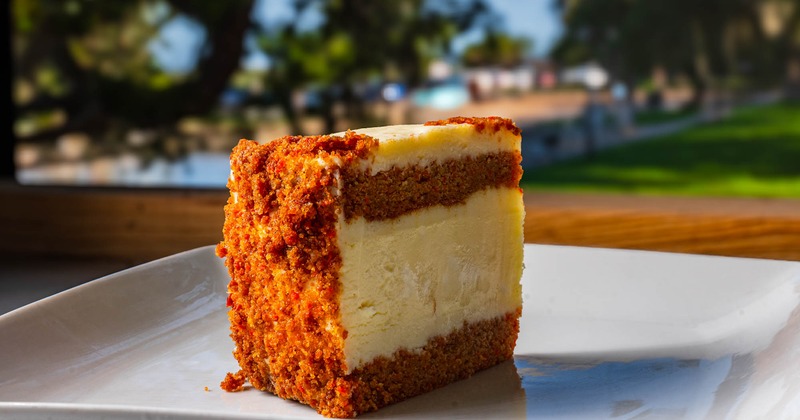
397 191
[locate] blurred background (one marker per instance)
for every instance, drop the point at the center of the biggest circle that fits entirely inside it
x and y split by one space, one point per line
645 96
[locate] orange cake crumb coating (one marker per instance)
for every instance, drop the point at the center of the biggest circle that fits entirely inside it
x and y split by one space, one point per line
280 247
482 123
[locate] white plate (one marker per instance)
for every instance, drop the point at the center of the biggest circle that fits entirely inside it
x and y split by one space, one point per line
605 334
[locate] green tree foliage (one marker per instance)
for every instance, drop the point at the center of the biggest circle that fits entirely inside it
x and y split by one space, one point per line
403 35
705 40
497 49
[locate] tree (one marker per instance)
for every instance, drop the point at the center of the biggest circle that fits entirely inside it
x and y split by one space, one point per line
100 73
497 49
706 41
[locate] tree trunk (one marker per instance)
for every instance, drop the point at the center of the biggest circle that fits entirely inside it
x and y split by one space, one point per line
216 68
285 101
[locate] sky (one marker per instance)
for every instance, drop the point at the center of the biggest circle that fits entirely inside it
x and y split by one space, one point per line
182 39
534 19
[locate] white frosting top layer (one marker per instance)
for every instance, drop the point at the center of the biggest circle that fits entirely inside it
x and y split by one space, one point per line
423 274
417 144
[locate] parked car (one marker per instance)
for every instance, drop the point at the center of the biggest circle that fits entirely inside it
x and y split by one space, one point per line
442 94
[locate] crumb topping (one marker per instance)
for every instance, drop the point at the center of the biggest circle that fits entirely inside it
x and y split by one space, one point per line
280 249
482 123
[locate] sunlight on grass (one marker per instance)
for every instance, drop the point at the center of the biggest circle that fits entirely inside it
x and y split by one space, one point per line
756 152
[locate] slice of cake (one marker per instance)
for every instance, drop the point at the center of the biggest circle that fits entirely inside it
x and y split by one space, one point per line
374 265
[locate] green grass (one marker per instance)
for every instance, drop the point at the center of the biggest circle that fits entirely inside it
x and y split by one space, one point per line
755 152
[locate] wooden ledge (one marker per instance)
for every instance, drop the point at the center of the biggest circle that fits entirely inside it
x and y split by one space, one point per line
137 225
127 224
742 227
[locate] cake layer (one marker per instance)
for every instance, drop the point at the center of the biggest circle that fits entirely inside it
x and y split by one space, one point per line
424 274
399 190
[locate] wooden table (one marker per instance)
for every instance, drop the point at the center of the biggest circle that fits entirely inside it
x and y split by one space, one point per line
137 225
761 228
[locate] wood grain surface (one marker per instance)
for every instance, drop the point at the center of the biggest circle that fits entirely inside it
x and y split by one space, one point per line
131 225
137 225
761 228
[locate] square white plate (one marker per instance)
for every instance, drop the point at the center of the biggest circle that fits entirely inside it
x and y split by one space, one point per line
604 334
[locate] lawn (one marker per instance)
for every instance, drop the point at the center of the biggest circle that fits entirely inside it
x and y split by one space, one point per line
755 152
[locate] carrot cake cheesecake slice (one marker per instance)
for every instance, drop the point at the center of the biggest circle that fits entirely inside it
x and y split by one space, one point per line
374 265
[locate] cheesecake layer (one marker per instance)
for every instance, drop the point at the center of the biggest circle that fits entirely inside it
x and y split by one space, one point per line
424 274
